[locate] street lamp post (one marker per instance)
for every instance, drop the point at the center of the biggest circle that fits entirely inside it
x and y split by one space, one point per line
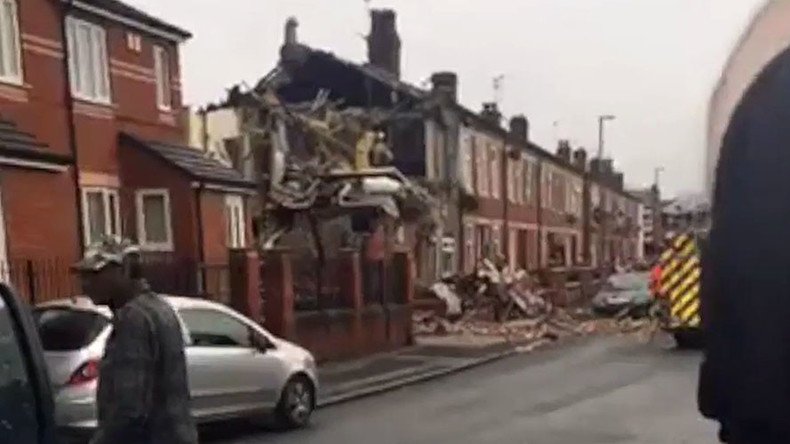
604 225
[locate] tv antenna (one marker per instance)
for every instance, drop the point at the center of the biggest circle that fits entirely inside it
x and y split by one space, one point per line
499 82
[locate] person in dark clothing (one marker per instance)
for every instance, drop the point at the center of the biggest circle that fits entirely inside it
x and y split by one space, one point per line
143 395
745 377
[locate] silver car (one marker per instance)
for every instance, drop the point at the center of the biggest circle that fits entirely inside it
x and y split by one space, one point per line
236 368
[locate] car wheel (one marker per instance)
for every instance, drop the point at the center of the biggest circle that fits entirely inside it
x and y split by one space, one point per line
297 403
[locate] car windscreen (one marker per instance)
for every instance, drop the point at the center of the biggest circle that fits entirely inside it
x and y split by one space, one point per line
63 329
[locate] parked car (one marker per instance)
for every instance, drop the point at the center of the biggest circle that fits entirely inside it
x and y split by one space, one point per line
624 291
26 407
235 367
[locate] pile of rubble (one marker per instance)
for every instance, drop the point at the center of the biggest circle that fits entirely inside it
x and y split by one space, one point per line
496 302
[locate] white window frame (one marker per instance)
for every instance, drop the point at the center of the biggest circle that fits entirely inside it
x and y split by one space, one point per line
468 163
481 154
98 36
237 229
109 230
140 195
11 51
495 171
164 87
529 181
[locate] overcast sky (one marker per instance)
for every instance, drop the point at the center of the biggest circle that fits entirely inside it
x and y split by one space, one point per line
652 63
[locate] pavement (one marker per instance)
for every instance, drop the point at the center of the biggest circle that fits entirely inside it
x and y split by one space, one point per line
606 390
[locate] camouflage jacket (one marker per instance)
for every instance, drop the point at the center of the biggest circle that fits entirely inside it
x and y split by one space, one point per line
143 395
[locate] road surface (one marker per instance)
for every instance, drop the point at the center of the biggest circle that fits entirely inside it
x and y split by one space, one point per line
611 390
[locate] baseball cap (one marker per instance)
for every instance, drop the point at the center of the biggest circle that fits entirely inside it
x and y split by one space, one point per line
111 250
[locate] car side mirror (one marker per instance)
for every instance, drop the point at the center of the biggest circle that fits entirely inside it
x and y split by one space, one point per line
260 342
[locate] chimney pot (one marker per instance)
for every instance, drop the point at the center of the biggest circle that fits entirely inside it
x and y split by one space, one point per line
564 150
491 113
580 159
445 84
384 44
519 127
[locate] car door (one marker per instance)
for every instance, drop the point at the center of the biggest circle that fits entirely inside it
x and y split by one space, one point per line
26 405
227 372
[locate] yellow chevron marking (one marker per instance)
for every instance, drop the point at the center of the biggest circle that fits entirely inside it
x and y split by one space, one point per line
691 311
681 289
680 241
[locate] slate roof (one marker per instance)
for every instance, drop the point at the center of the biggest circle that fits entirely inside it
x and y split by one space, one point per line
22 145
191 161
120 8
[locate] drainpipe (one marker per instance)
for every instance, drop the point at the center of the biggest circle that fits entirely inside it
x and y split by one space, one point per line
506 200
201 249
539 212
69 103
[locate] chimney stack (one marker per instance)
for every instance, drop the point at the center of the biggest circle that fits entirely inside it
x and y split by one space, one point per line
580 159
564 150
618 180
445 84
491 113
519 127
384 44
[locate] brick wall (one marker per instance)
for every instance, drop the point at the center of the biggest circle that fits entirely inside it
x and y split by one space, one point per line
140 169
40 215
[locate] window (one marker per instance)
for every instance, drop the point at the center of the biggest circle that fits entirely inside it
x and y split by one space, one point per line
234 217
529 180
210 328
10 55
154 229
63 329
546 187
468 161
481 153
134 42
495 173
88 61
510 180
518 181
162 70
100 214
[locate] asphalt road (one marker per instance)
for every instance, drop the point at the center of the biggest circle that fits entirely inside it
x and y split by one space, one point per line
612 390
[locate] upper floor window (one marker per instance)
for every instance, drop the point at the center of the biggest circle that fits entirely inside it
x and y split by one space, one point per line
88 60
162 70
495 172
10 56
529 180
481 166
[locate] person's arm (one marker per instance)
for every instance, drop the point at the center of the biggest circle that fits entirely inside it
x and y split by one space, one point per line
131 394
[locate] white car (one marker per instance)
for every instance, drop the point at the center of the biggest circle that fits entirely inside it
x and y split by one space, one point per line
235 367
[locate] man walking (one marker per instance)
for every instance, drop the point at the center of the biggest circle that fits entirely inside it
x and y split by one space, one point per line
143 396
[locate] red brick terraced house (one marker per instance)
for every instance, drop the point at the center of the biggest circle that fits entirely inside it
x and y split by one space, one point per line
92 144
